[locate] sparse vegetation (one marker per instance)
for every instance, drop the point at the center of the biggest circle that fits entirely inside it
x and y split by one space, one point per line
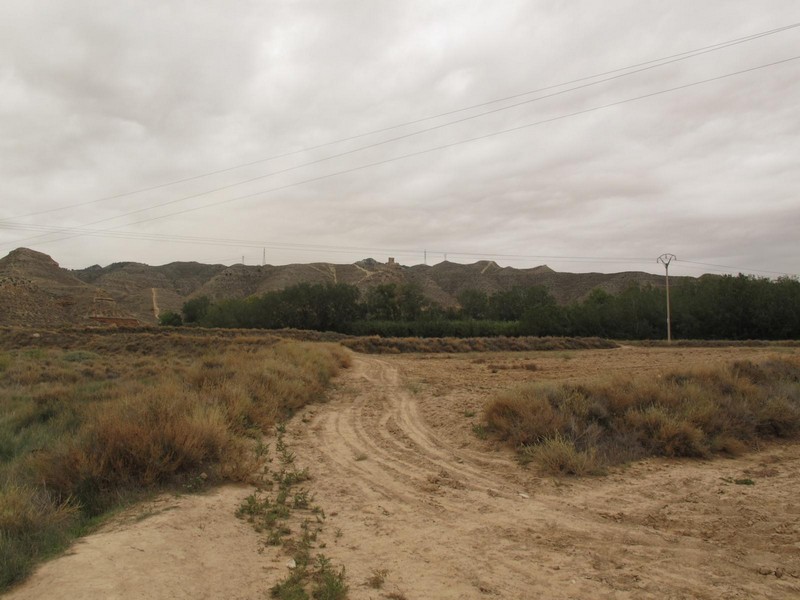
580 428
272 510
84 430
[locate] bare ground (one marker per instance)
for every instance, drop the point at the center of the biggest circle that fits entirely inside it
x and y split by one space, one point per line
408 488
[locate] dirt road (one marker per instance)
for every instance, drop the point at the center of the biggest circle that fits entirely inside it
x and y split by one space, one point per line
449 518
409 490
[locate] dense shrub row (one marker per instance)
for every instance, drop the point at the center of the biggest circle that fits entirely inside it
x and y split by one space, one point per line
711 307
396 345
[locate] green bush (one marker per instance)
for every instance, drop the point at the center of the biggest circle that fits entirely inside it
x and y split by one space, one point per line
170 319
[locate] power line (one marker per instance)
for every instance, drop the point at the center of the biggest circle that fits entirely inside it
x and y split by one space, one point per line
450 145
654 63
694 262
318 247
437 148
684 56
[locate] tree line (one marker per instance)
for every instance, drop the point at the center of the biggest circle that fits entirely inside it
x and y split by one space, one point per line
711 307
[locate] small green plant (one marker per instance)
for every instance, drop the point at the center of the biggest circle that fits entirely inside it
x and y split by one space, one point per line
359 456
745 481
196 483
302 499
271 512
377 579
331 585
469 413
290 589
479 429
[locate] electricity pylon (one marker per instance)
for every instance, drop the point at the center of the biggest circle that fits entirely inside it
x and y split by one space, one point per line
665 259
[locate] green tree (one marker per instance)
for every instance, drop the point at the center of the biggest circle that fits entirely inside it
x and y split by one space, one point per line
170 319
195 309
412 301
383 302
474 304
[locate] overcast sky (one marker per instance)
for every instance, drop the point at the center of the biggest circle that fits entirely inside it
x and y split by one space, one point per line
100 99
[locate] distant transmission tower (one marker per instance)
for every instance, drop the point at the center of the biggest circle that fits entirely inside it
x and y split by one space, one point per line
665 259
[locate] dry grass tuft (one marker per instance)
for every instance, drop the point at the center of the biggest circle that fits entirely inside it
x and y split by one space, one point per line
559 455
575 429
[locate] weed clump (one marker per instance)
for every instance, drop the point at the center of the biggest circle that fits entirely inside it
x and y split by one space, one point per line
580 428
270 511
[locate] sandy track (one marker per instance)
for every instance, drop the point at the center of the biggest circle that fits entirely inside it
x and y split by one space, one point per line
156 310
188 547
450 521
408 488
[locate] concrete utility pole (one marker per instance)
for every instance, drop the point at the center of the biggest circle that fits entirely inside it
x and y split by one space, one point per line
665 259
425 256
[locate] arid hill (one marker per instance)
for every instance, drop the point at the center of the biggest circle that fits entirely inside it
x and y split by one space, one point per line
34 290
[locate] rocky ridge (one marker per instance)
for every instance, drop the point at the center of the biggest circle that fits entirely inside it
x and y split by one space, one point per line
35 291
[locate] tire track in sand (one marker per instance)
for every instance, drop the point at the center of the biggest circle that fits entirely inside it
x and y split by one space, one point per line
449 522
383 425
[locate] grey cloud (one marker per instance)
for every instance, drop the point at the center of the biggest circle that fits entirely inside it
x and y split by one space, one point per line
102 98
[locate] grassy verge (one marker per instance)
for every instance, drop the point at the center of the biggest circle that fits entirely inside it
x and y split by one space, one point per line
83 431
578 429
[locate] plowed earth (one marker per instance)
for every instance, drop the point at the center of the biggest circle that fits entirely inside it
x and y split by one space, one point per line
408 488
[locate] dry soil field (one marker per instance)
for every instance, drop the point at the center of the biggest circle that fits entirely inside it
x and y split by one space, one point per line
412 494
